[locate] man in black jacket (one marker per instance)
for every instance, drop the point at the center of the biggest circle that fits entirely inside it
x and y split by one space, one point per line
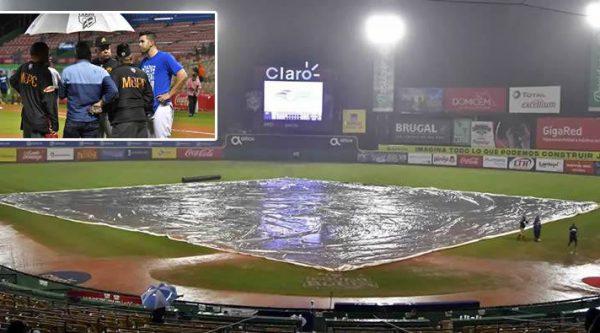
33 81
129 114
105 60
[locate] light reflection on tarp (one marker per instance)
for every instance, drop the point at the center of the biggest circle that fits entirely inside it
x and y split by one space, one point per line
323 224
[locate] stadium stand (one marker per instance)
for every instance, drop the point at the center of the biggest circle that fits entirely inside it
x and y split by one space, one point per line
50 306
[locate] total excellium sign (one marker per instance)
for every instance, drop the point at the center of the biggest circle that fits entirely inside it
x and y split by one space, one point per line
534 99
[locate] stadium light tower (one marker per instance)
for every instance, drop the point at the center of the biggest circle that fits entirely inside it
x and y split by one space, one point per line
384 31
592 13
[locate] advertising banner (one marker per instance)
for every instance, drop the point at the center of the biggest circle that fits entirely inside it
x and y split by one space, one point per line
31 155
86 154
138 154
513 134
419 158
382 157
445 159
534 99
181 102
470 161
383 82
8 155
480 100
111 154
537 153
199 153
421 131
521 163
164 153
594 92
495 162
354 121
420 100
60 154
568 133
579 167
549 165
462 132
482 134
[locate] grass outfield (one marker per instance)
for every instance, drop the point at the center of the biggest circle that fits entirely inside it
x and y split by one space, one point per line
265 276
202 125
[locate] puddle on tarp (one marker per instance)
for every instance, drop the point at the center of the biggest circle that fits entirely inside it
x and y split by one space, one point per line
330 225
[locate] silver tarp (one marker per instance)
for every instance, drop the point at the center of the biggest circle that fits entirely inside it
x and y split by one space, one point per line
322 224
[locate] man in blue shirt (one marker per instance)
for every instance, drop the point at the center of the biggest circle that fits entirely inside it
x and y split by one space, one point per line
160 68
87 88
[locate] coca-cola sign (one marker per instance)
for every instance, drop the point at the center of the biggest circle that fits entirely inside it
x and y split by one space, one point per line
470 161
475 100
31 155
199 153
181 101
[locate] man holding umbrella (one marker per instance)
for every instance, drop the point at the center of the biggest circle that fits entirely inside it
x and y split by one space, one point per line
105 60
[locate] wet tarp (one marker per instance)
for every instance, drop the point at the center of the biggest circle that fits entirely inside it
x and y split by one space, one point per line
330 225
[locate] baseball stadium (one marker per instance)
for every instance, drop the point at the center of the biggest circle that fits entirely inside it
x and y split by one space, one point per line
367 166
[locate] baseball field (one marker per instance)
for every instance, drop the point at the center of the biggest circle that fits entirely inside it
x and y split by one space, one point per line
501 264
201 126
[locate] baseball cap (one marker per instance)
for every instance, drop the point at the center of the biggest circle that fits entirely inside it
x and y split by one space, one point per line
102 42
123 50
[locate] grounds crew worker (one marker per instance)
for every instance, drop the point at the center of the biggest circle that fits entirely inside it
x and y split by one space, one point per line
33 80
105 60
129 114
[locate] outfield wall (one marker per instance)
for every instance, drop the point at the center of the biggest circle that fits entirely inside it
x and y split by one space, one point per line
303 148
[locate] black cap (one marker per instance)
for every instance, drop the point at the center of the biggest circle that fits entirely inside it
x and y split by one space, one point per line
102 41
123 50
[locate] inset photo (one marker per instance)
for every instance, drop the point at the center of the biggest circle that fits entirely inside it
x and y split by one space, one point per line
108 75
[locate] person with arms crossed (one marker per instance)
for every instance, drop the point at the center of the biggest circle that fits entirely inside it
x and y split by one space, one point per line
160 68
33 81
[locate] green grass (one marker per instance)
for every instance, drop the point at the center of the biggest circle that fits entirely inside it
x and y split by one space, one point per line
199 119
94 240
272 276
265 276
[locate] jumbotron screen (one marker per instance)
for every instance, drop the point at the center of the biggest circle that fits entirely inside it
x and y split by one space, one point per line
293 100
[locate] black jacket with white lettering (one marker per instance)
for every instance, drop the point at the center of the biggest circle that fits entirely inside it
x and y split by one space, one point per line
33 82
135 95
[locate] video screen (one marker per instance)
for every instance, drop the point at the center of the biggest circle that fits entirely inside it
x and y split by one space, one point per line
74 76
293 100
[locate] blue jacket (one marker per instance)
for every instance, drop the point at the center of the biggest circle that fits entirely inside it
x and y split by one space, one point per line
85 84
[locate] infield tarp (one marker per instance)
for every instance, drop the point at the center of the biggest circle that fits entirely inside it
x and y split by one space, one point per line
330 225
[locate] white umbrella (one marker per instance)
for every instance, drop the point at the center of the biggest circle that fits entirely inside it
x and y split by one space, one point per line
78 22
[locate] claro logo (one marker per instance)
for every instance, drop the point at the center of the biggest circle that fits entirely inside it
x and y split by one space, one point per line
286 74
562 131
